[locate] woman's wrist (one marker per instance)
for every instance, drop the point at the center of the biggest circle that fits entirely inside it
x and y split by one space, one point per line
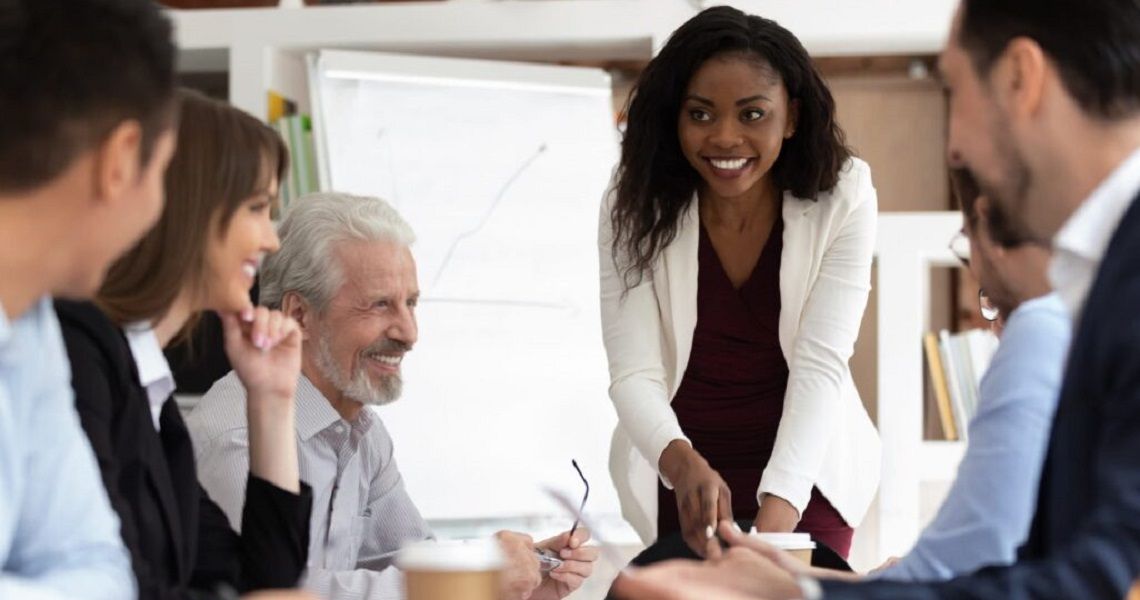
776 514
271 397
273 442
677 459
270 410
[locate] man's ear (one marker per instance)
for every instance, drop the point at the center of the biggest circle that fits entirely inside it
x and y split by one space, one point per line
293 305
1020 76
118 162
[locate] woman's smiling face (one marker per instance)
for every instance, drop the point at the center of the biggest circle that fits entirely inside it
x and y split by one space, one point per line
735 116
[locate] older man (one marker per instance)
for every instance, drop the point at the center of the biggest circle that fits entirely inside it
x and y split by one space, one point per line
345 272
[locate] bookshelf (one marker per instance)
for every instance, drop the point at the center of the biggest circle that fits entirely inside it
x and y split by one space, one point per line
909 245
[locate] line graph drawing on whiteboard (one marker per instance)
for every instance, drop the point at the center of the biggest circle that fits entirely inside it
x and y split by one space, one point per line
486 216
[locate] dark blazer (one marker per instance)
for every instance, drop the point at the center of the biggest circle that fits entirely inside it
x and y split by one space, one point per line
1085 539
180 541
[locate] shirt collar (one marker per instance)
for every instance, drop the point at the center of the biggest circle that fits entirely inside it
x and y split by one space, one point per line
1089 229
154 371
315 414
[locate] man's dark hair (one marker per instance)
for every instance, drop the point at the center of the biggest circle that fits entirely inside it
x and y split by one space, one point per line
1094 43
70 72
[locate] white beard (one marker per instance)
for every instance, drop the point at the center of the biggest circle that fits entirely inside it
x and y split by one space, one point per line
358 385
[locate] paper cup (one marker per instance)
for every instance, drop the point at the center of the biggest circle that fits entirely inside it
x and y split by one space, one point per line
455 570
798 545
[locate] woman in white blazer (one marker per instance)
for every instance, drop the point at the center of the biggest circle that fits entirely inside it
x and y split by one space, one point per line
736 247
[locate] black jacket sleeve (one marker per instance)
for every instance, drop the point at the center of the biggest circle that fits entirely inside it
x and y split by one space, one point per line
94 401
273 548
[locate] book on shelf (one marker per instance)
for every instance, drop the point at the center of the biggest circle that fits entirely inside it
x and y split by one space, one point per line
297 132
956 363
941 391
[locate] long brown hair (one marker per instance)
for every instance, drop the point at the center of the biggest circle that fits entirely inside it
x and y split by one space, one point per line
223 157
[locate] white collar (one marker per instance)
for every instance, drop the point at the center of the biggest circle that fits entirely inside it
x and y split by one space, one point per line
154 371
1082 241
1089 229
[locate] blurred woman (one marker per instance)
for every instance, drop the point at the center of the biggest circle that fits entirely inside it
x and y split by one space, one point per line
202 255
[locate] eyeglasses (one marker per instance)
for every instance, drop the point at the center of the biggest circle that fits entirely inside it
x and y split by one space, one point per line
548 560
960 247
578 515
989 311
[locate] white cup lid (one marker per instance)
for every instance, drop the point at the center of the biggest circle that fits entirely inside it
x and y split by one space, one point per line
450 555
787 541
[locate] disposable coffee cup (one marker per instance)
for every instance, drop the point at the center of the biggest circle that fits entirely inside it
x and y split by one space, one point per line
451 570
798 545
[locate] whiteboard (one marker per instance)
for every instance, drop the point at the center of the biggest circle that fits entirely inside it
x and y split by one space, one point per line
500 169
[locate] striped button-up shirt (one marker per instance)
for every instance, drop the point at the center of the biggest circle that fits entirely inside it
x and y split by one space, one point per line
362 513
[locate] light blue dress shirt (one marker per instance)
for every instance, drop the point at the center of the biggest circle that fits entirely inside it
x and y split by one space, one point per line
988 511
59 538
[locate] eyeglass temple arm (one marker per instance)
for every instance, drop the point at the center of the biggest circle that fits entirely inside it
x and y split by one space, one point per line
581 508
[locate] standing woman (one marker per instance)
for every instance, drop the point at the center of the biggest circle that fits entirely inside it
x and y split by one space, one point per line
736 250
202 255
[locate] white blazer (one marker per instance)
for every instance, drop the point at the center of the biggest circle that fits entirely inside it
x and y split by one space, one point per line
825 437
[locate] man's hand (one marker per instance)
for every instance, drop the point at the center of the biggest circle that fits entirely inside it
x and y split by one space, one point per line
736 538
703 498
890 562
577 565
280 595
667 581
521 576
776 515
740 574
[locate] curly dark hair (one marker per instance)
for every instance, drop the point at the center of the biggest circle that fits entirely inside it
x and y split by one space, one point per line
655 183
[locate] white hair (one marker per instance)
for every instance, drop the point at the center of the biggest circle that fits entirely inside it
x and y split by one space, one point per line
313 225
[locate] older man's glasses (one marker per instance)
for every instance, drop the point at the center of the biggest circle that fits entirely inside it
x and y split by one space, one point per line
960 248
585 496
548 559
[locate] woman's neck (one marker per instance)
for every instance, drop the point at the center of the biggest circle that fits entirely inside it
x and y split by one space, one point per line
172 322
739 213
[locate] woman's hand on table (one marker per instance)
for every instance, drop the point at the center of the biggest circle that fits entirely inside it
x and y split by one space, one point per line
776 515
703 498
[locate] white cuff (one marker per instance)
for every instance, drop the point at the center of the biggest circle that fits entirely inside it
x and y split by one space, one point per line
809 588
793 487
